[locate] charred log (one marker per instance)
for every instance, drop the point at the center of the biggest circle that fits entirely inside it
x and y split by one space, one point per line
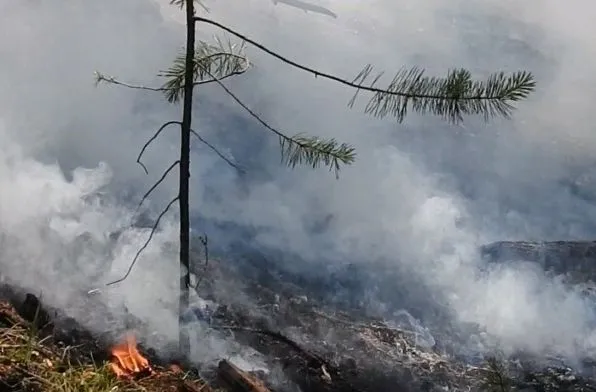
237 380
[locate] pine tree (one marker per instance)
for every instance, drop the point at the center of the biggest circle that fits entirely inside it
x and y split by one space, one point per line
452 97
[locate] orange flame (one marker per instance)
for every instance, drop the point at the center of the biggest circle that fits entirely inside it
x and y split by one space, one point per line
126 360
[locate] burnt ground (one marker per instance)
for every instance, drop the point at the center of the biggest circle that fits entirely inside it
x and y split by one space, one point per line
360 357
36 354
316 347
323 349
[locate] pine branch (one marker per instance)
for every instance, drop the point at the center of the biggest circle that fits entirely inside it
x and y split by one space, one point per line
99 78
222 59
301 149
146 244
224 64
219 59
450 97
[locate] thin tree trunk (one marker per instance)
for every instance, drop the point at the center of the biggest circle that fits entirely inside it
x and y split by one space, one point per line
184 340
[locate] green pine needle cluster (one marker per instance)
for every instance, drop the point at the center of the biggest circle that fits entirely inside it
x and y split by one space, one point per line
312 151
299 149
451 97
212 61
180 4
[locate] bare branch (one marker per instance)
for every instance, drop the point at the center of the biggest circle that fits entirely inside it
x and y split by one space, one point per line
99 77
151 140
153 230
300 148
314 71
221 155
115 81
201 139
295 150
163 177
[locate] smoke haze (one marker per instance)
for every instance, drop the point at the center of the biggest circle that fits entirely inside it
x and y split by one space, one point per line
421 197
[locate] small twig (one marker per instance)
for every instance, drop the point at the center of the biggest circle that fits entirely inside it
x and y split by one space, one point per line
151 140
42 341
153 230
112 80
163 177
35 376
201 139
212 147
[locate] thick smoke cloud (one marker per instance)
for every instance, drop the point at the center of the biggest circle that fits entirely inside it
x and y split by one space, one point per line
421 198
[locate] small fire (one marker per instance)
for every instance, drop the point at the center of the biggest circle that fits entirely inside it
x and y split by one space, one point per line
126 360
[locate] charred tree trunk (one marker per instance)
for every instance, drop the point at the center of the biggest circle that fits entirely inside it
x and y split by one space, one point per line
184 341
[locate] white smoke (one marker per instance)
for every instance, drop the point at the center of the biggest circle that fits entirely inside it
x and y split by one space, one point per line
421 196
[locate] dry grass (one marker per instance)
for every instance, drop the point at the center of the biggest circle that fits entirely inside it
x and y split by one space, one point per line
32 365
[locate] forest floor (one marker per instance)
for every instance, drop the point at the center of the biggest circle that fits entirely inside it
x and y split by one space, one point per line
31 362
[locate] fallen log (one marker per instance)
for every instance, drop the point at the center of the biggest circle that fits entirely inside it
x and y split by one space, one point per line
238 380
306 369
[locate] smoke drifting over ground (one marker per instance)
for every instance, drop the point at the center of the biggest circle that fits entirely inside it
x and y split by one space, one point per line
421 197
